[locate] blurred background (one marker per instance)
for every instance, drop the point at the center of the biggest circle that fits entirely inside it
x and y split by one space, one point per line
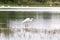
30 2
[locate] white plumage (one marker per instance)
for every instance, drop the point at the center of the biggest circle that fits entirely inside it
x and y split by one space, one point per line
27 20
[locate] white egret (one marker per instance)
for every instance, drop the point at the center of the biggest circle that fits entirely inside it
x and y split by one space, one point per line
26 21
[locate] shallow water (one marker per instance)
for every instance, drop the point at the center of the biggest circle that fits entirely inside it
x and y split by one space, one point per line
41 21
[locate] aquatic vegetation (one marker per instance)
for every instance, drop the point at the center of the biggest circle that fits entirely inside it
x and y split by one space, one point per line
6 32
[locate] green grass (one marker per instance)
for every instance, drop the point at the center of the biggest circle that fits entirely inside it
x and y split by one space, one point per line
31 5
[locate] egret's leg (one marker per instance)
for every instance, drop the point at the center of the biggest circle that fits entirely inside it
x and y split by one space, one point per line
26 25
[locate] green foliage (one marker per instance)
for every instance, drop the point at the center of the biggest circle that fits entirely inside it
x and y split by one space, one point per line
42 1
25 1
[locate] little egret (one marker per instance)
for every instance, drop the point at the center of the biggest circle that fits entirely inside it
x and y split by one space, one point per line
27 20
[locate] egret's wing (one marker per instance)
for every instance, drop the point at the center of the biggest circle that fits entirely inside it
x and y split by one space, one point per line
26 20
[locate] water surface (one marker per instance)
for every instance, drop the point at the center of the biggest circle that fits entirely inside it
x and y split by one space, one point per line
11 26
